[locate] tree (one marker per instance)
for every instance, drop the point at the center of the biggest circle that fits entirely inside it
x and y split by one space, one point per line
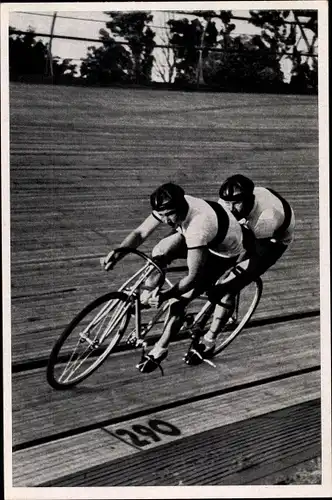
280 36
246 65
110 63
134 28
64 71
28 59
187 39
303 77
26 55
226 61
227 27
275 33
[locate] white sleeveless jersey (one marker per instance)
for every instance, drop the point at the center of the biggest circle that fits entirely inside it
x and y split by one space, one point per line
200 228
267 215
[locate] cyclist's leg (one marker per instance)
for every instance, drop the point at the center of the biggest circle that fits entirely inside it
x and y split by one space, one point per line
268 253
168 249
223 311
172 323
224 304
215 267
240 276
251 267
175 316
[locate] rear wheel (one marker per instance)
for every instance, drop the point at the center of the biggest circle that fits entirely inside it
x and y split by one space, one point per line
246 303
88 340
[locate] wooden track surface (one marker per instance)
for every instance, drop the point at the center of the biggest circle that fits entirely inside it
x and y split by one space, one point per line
83 163
265 369
188 459
262 353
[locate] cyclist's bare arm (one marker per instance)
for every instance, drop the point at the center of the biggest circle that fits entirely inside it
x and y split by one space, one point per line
196 258
141 233
135 238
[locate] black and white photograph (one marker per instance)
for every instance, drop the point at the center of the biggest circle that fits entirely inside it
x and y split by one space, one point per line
166 250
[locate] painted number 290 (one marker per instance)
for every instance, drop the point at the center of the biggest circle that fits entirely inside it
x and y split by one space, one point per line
151 431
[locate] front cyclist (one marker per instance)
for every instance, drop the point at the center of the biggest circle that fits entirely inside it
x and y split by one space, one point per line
206 234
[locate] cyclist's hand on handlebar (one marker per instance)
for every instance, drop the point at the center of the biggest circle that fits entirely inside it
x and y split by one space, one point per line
109 261
155 300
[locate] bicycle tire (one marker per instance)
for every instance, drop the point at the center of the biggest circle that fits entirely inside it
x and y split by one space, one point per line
233 329
60 360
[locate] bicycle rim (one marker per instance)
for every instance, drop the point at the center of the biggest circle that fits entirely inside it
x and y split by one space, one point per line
88 340
248 300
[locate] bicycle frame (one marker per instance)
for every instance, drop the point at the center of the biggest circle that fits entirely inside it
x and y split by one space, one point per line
137 338
115 311
131 288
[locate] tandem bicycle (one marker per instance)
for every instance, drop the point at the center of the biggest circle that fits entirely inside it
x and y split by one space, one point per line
118 320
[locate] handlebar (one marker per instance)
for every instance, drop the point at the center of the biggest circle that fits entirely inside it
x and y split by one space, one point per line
126 251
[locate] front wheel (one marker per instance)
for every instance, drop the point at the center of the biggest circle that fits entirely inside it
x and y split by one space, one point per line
88 340
246 303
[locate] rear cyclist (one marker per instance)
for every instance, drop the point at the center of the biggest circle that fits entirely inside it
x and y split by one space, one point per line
206 234
271 221
266 213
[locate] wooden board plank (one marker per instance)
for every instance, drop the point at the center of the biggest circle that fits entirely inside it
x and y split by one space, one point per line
52 461
268 442
117 388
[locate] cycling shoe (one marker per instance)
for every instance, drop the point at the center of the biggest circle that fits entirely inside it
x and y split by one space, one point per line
204 350
150 362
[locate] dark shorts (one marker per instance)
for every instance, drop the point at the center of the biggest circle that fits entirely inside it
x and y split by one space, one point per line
256 264
174 247
266 255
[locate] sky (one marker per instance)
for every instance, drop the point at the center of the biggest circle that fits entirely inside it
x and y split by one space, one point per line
94 20
83 23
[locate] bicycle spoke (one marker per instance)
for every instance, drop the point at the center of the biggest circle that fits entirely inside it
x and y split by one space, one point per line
98 328
74 364
84 348
73 367
114 321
